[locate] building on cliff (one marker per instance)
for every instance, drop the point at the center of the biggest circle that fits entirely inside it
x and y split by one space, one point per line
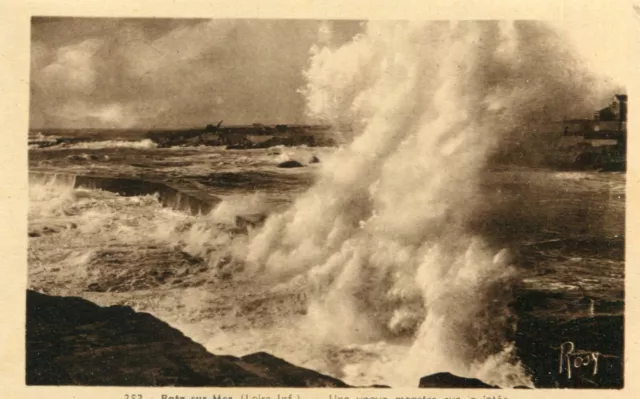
608 123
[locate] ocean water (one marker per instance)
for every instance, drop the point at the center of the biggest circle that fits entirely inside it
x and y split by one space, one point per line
399 254
566 228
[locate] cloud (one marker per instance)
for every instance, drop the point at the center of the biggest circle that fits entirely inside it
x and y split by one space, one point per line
171 73
73 67
179 46
112 115
174 72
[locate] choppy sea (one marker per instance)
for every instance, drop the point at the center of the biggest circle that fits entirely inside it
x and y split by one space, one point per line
564 231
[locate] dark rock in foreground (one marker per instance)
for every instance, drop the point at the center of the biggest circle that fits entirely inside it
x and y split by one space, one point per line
71 341
448 380
290 164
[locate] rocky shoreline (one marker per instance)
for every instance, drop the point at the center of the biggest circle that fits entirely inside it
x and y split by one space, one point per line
71 341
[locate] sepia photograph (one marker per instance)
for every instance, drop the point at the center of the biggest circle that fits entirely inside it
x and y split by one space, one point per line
325 203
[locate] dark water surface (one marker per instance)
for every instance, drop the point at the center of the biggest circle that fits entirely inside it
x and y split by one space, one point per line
564 230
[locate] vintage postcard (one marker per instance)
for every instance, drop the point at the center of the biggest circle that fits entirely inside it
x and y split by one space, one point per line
274 203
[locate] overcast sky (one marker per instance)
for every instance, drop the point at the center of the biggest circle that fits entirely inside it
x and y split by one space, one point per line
162 73
107 73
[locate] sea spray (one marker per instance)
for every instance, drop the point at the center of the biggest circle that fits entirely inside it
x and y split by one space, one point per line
50 193
396 282
383 238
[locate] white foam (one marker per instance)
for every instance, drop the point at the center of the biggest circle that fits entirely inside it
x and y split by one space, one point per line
97 145
383 235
